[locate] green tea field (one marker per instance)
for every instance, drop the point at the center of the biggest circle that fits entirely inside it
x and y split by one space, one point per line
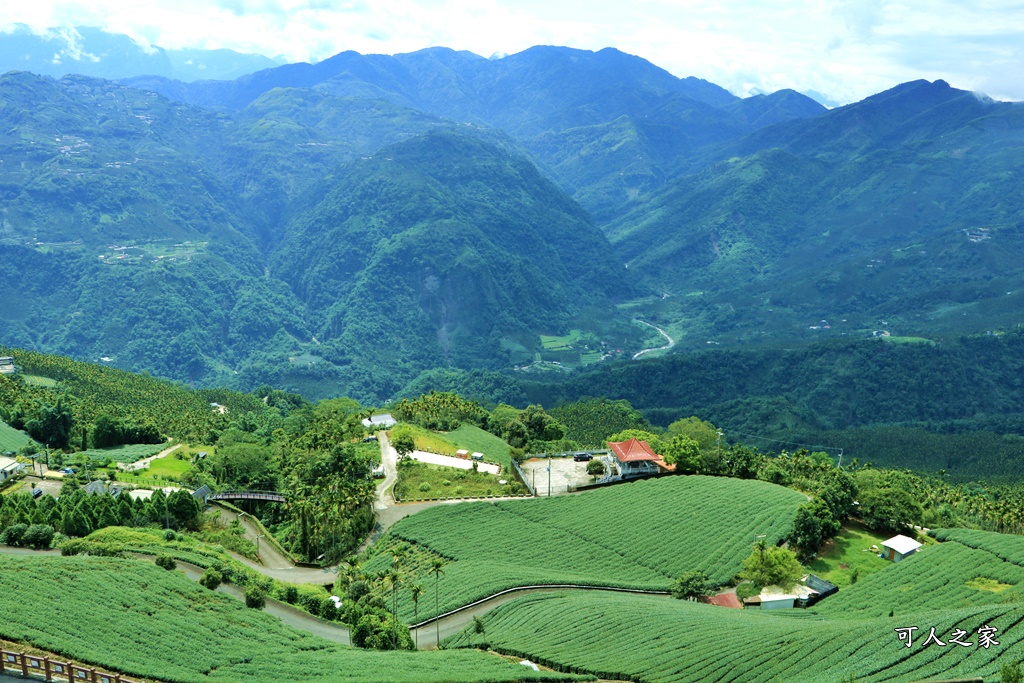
11 439
638 535
133 617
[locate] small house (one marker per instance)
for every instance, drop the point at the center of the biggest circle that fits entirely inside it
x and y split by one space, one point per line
382 421
9 467
7 365
636 459
462 453
899 547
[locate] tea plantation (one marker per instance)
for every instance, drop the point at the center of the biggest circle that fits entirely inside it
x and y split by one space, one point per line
137 619
638 535
971 582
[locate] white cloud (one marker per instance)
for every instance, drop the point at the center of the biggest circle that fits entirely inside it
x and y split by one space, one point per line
846 49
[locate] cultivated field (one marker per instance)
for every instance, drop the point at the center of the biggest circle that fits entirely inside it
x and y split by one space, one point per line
638 535
975 579
11 439
134 617
660 640
126 453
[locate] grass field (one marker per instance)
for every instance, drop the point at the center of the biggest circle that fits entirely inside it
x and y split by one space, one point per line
11 439
660 640
135 618
848 553
638 535
468 437
447 482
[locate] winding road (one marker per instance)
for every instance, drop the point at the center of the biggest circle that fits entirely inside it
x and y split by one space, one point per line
671 341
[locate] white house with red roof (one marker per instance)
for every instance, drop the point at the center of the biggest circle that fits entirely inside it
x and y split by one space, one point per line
636 459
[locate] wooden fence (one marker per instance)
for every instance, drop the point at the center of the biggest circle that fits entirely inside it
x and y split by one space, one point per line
21 664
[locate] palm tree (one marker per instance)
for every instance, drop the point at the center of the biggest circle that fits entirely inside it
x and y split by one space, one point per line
435 569
416 590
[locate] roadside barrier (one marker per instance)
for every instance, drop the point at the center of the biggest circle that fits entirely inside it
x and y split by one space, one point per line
21 664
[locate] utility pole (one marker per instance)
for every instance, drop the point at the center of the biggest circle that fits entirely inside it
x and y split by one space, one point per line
719 444
549 477
840 458
258 546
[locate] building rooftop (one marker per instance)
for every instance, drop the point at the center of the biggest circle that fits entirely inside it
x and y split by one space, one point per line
633 451
902 544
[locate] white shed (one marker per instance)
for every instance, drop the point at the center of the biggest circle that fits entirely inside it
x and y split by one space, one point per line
898 547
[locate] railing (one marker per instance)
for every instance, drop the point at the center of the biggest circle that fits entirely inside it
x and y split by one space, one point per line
248 495
19 663
523 479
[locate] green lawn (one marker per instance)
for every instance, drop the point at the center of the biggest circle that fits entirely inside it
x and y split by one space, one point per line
848 552
476 440
11 439
468 437
448 482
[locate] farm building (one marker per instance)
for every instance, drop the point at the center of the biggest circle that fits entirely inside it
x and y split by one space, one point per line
774 597
898 547
9 467
7 366
824 588
383 421
636 459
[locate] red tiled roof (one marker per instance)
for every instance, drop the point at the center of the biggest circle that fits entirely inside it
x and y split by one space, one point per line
632 450
725 600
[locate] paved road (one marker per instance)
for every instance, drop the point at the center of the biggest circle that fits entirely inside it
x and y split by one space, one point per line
274 564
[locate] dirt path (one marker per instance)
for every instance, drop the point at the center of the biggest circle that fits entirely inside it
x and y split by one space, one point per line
671 341
388 511
144 463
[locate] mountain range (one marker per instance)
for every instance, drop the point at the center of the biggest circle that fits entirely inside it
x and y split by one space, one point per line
341 227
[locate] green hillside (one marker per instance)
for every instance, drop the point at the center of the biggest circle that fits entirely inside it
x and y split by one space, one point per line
970 581
669 641
147 613
637 535
887 214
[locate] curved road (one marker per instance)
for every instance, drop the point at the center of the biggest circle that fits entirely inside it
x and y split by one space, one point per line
671 341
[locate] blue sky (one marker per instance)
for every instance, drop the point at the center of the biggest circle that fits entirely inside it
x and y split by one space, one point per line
842 49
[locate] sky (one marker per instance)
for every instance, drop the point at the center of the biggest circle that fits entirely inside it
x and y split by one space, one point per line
838 50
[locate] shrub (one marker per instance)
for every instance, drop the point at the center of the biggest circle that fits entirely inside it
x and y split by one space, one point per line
255 598
169 535
424 487
14 534
329 610
211 578
166 561
38 536
291 595
595 467
445 482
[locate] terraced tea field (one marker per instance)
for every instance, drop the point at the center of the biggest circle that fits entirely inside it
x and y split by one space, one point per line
133 617
659 640
11 439
951 586
637 535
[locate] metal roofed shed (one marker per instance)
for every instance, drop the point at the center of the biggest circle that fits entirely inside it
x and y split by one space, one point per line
899 547
382 421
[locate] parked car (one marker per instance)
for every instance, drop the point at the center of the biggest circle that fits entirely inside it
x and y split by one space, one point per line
36 492
67 470
582 457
